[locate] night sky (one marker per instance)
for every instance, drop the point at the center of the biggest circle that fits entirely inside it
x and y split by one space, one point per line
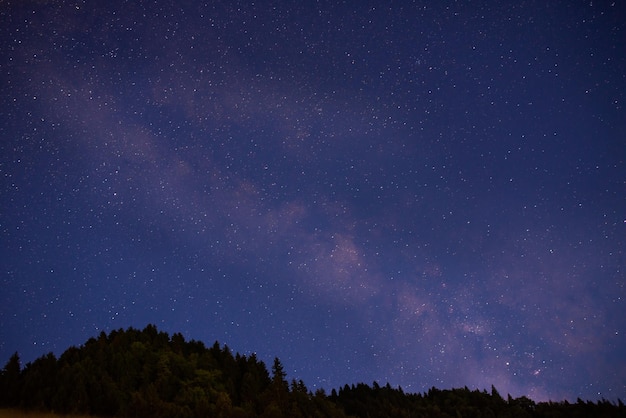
420 193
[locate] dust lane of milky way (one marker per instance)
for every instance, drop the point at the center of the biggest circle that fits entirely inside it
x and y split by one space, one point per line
414 193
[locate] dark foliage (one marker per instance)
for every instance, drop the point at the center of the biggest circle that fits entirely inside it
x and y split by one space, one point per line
147 373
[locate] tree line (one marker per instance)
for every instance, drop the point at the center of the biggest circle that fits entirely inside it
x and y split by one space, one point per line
147 373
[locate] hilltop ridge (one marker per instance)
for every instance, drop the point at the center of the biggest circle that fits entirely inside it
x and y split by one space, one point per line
148 373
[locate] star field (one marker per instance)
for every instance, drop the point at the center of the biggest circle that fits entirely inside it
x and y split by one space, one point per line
424 194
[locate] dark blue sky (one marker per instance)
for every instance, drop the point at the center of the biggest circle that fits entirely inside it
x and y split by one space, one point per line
429 195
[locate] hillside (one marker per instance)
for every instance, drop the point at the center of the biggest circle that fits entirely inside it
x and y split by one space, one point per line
147 373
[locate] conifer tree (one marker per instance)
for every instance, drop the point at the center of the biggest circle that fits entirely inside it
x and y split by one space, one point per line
10 382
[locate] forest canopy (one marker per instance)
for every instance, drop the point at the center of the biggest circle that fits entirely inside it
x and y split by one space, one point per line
148 373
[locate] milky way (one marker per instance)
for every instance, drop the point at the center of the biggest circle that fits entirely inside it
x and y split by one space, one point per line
425 195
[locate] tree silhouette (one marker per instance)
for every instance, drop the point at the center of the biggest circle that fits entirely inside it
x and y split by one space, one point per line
145 373
10 382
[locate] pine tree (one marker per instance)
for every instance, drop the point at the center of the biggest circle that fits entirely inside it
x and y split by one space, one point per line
279 388
279 377
10 382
